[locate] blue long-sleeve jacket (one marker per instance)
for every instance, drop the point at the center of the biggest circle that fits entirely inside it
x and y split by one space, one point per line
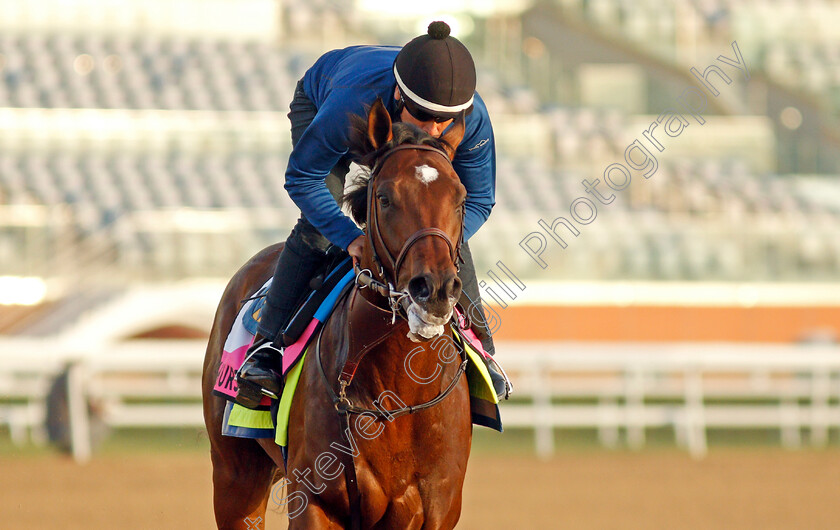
344 81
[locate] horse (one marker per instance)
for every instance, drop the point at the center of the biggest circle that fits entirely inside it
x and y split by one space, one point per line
380 427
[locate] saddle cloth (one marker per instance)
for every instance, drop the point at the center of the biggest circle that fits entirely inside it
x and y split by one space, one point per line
244 328
271 419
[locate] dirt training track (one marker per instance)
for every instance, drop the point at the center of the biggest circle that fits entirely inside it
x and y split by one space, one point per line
743 489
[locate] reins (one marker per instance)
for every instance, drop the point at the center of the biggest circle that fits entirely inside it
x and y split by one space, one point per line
344 406
395 299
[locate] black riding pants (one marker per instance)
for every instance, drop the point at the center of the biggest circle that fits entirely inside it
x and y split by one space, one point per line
305 247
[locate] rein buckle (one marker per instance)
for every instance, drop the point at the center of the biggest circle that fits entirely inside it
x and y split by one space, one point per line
343 403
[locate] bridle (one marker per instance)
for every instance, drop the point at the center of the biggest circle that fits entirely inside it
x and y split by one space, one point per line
385 287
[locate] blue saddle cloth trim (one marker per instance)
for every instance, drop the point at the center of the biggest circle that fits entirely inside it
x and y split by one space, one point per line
303 315
251 318
485 414
332 273
328 304
242 432
321 315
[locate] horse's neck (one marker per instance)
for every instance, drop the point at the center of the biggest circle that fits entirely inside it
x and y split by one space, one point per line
394 363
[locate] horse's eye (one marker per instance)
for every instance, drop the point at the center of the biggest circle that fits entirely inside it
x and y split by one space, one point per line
383 201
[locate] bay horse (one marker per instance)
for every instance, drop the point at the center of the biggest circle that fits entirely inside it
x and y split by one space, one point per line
388 450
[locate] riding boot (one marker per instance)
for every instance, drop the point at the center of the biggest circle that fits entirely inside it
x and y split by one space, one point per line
471 302
501 385
261 374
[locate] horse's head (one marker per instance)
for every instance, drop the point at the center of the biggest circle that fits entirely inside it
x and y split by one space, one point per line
412 206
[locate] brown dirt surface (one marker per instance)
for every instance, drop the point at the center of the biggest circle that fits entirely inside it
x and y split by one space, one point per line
731 488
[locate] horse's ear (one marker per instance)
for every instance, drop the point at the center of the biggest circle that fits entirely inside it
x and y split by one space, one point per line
454 136
379 125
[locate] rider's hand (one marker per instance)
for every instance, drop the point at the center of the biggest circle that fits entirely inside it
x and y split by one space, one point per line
355 249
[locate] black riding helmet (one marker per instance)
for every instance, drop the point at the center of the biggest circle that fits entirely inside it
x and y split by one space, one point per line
436 75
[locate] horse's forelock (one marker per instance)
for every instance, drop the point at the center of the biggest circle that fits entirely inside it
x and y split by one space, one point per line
364 154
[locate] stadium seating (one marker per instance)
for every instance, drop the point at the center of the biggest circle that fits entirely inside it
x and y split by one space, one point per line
797 44
709 219
60 71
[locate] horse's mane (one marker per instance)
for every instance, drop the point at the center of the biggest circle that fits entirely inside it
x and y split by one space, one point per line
366 155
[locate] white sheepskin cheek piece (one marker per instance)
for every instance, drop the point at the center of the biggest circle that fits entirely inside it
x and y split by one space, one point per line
419 327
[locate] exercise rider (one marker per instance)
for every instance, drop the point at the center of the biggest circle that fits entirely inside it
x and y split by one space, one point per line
428 83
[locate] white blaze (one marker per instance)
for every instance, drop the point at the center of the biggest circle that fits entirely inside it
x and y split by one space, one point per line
425 174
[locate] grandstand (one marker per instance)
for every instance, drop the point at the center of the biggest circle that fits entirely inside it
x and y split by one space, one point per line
151 148
114 72
109 176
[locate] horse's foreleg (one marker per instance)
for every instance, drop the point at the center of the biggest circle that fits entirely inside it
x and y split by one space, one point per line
315 517
242 478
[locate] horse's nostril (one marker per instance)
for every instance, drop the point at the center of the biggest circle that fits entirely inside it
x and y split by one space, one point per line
454 288
420 287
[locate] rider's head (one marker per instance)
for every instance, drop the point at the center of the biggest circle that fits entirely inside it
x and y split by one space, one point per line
435 79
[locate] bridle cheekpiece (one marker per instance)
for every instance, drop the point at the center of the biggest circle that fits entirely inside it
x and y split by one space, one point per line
386 287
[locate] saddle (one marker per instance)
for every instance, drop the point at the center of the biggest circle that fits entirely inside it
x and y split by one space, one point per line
322 285
330 283
336 265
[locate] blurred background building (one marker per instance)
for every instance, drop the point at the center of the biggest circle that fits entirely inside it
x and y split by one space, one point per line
148 140
143 146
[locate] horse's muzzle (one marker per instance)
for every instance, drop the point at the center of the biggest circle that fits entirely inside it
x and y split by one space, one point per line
435 292
430 304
